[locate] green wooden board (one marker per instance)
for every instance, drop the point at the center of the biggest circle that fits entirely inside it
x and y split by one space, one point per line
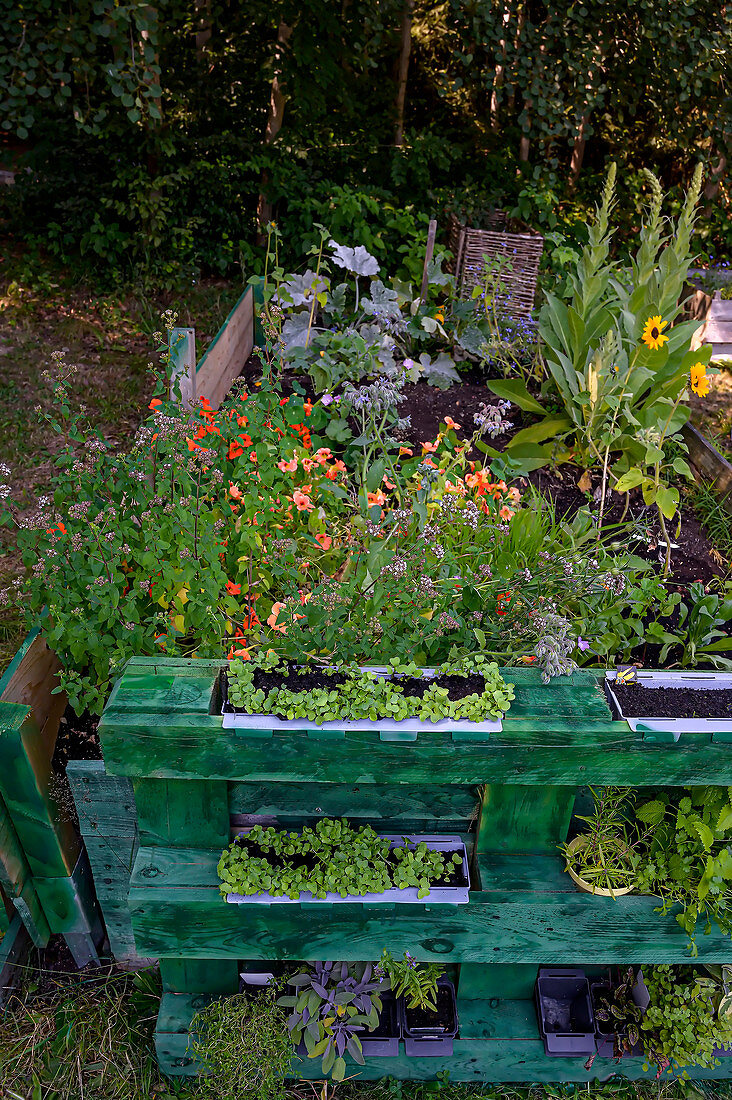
14 947
451 808
521 818
529 911
510 1051
108 822
175 811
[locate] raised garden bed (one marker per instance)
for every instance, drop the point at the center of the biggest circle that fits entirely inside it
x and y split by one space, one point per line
674 702
451 889
264 686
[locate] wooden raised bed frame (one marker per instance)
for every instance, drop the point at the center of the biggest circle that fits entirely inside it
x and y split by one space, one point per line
193 781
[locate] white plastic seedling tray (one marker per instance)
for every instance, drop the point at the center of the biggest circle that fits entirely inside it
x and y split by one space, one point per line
388 730
443 895
710 681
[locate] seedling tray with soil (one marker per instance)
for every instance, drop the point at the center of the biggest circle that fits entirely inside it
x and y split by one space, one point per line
388 729
427 1033
453 889
674 702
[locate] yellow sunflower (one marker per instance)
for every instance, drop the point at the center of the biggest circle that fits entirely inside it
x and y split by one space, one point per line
653 336
699 380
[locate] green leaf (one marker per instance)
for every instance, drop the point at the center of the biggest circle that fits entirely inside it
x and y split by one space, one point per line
629 480
551 426
515 391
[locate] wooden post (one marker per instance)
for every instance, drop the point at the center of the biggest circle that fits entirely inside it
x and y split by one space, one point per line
183 361
429 253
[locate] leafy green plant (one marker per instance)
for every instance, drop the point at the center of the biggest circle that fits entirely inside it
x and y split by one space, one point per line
369 695
415 982
688 1016
244 1047
614 1006
332 857
606 853
334 1002
688 861
621 387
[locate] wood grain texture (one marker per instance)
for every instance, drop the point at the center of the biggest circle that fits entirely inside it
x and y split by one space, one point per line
527 911
108 821
511 1051
181 813
708 460
520 818
229 352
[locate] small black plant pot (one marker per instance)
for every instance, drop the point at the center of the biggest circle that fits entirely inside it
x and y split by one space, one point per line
564 1009
606 1035
430 1034
383 1041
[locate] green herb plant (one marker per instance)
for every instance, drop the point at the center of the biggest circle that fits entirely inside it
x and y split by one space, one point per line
244 1047
370 695
688 1016
333 1003
611 847
415 982
615 1007
688 861
332 857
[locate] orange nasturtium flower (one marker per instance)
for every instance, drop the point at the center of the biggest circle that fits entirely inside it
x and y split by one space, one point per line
325 541
376 498
235 449
440 316
450 423
302 502
272 618
233 589
653 336
234 491
288 467
406 451
699 380
429 448
154 403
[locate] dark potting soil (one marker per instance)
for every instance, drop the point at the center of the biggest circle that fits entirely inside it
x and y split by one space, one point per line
425 1017
78 739
386 1027
455 875
309 680
458 687
667 702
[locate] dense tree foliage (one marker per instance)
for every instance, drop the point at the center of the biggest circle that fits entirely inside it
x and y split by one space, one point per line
155 132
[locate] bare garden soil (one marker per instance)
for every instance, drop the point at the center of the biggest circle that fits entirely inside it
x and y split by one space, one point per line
638 701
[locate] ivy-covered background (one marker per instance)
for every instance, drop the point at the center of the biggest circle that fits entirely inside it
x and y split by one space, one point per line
148 138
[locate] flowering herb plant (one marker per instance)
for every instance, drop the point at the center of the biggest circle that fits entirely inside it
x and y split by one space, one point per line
415 982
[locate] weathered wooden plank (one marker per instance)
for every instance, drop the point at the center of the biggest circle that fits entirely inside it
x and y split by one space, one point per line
181 813
612 756
14 948
516 818
511 1052
14 869
482 982
108 821
709 461
29 907
29 721
529 913
451 807
229 352
200 975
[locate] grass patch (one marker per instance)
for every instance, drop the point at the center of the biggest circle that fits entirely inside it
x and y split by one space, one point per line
90 1037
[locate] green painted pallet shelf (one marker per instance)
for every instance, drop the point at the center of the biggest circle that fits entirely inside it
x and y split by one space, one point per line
511 798
497 1043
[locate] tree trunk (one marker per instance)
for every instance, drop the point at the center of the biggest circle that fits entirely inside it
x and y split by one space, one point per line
406 49
203 28
500 70
275 118
578 151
